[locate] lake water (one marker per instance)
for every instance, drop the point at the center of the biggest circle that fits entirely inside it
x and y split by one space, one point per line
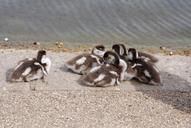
146 22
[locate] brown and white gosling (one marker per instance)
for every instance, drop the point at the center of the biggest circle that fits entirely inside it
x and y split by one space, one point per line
146 72
110 73
32 68
83 63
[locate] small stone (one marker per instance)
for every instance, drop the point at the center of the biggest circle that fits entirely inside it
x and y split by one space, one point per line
130 105
59 46
6 39
62 44
36 43
162 48
171 53
32 88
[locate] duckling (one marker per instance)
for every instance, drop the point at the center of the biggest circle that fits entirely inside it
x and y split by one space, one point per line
121 50
32 68
146 72
83 63
110 73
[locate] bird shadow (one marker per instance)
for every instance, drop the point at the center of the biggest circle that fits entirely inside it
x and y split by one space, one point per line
8 75
175 92
65 69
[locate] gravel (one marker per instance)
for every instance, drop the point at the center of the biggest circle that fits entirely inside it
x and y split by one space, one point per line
62 102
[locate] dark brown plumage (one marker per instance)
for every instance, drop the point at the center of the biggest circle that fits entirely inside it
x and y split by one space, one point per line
147 72
28 68
22 67
108 74
83 63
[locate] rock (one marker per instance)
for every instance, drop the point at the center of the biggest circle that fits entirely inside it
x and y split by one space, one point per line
57 43
62 44
59 46
6 39
171 53
36 43
162 48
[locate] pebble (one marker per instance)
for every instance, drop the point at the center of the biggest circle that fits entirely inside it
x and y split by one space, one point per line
57 43
60 43
36 43
6 39
171 53
59 46
162 48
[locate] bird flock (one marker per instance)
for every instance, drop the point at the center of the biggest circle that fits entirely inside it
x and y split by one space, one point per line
99 68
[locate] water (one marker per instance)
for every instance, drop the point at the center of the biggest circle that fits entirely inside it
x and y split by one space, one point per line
147 22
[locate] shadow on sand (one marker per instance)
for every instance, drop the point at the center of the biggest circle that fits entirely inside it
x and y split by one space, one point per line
8 75
175 92
65 69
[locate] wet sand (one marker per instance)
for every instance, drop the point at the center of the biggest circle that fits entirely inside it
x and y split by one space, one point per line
62 102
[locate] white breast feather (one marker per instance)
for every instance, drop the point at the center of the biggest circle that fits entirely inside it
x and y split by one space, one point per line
48 64
124 68
42 68
81 61
113 81
114 73
27 71
121 50
100 77
118 81
95 69
147 73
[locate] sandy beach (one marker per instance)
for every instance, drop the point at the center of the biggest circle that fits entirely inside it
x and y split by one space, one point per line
62 102
67 28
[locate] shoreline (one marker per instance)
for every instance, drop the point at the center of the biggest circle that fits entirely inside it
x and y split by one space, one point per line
67 47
